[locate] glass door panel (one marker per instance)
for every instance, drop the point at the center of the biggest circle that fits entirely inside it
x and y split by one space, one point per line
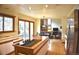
21 29
31 30
27 30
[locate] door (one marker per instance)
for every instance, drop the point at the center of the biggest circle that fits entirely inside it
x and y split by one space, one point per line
21 29
70 36
73 36
76 41
24 29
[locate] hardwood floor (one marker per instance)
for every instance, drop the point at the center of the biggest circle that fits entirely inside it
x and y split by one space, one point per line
56 47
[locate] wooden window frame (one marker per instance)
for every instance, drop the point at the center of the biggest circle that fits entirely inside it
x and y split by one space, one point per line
5 15
29 25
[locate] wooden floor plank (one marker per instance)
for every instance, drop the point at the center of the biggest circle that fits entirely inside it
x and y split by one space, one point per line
57 47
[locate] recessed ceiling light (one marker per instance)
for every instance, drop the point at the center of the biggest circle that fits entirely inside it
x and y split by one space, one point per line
30 8
46 6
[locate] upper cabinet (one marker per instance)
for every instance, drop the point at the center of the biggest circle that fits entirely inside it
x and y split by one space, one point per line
45 25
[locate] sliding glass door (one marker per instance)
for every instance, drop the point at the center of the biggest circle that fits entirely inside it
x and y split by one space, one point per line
26 30
21 29
31 30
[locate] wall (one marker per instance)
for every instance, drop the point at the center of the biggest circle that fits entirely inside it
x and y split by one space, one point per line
37 26
64 21
17 16
56 23
64 26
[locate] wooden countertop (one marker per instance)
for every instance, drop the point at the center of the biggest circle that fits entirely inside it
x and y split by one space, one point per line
34 46
8 39
30 50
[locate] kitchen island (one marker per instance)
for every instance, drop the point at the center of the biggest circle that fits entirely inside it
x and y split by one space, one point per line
39 48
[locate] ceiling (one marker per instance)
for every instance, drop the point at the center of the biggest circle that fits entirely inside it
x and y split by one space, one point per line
40 10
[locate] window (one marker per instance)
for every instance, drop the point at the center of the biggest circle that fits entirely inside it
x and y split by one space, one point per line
26 29
6 23
49 22
1 23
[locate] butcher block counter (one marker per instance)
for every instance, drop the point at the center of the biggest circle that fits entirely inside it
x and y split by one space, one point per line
39 48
